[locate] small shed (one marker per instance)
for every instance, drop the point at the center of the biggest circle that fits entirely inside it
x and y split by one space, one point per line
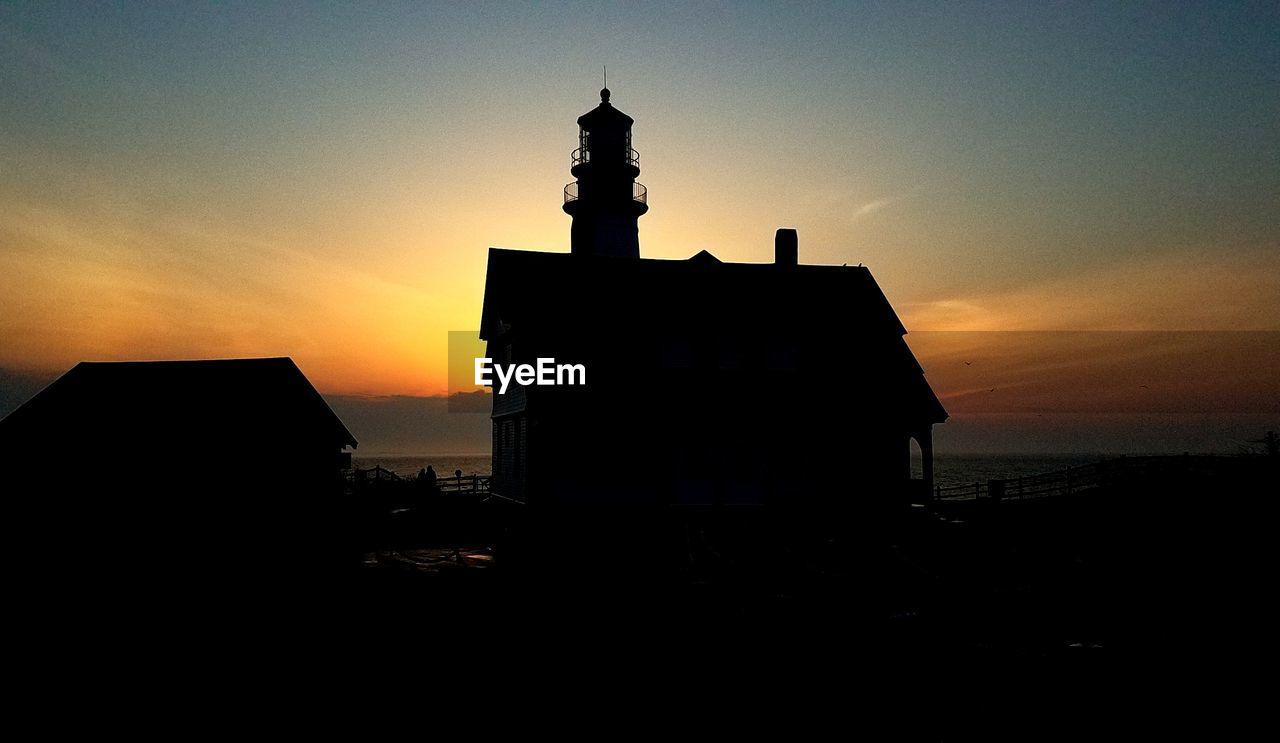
220 461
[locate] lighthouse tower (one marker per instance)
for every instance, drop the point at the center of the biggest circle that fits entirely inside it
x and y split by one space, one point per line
605 201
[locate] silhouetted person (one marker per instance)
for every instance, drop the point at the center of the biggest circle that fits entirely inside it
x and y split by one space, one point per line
427 480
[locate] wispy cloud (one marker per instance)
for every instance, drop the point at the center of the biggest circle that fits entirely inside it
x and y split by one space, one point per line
1176 290
91 272
874 206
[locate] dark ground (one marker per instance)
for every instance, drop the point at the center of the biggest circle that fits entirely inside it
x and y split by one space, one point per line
1089 615
1084 579
968 615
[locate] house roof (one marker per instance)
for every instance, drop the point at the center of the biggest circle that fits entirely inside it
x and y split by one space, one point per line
223 400
522 282
699 296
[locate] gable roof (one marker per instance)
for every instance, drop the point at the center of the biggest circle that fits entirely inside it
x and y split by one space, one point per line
521 282
575 294
223 400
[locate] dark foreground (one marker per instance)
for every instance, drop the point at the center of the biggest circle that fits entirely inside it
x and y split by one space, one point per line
925 601
1110 574
1076 579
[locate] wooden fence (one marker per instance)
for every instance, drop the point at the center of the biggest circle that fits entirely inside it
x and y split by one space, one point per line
1083 478
452 485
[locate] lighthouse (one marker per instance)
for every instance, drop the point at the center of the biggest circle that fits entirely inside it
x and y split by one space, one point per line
605 201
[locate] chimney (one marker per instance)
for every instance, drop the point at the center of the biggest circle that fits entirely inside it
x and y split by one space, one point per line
785 252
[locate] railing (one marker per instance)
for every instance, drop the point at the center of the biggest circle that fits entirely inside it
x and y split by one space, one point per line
466 485
451 485
1081 478
639 192
373 474
583 155
1060 482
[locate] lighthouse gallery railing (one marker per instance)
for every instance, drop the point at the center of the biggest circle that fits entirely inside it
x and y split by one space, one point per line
638 193
583 155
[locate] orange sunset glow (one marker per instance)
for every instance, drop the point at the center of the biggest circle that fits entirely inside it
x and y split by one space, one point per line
235 183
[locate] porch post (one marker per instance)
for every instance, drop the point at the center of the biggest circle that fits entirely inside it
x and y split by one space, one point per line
925 439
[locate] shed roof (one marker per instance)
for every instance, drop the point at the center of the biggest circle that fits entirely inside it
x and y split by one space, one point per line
221 399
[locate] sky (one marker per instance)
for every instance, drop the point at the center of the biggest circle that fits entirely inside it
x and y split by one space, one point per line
322 180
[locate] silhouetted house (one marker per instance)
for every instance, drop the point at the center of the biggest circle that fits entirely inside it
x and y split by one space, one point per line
706 382
223 460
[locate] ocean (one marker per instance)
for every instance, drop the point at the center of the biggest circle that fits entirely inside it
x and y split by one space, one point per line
949 469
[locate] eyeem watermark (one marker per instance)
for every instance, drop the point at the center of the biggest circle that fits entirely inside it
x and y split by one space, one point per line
545 372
